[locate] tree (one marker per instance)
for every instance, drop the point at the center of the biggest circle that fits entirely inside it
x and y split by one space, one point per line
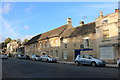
25 40
14 40
6 41
18 41
1 45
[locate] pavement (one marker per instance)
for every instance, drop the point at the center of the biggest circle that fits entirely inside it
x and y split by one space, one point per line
72 63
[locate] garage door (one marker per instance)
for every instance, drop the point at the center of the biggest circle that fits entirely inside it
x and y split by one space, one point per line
107 52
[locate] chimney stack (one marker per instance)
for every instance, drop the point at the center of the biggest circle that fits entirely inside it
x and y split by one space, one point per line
116 10
101 13
69 21
81 22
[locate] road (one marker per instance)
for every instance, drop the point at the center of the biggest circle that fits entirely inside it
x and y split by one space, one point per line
18 68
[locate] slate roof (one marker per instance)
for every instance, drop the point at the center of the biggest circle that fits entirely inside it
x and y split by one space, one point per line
63 32
80 30
53 33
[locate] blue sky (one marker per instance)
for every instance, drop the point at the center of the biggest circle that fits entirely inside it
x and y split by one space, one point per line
26 19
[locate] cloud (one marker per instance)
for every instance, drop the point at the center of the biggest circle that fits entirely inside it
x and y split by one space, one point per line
26 27
6 8
29 9
8 30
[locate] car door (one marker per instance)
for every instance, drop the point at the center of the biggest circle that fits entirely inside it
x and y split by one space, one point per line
81 59
87 59
44 58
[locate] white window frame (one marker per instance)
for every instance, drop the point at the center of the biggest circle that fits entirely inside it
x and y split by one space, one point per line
65 55
86 44
107 53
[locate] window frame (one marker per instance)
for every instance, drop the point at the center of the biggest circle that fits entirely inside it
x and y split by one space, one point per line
86 42
66 45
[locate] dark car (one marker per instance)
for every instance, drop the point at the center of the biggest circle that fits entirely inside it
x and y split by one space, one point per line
21 56
26 57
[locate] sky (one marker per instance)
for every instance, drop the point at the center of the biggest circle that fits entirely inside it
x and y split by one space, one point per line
20 20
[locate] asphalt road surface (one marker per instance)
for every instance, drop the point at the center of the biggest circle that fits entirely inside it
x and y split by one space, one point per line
19 68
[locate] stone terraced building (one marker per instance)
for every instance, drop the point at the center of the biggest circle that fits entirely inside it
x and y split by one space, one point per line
100 39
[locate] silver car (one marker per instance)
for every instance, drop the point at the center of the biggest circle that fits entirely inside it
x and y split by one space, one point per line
20 56
3 56
35 57
88 60
48 58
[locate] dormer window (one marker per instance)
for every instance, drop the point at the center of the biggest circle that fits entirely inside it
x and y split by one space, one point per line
105 20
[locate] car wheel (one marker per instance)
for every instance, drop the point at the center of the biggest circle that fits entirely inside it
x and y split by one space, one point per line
93 64
40 59
77 63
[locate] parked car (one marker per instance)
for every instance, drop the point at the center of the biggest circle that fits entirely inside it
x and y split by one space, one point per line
21 56
48 58
3 56
26 57
15 55
88 60
35 57
118 62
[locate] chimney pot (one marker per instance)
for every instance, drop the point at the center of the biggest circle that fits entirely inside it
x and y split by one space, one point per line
101 13
81 22
116 10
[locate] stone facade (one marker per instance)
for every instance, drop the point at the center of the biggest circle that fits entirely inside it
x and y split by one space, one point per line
12 47
31 47
107 37
76 45
100 39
